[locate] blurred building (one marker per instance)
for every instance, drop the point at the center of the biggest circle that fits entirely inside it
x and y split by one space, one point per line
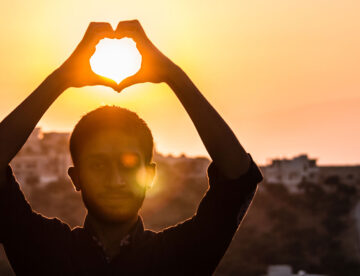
43 158
292 172
183 165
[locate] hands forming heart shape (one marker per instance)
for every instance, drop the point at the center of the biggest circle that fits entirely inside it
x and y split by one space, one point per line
155 66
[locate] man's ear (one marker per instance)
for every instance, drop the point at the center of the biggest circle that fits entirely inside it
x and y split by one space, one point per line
72 172
151 170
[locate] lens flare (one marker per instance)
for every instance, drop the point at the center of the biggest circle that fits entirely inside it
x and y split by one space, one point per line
130 160
116 59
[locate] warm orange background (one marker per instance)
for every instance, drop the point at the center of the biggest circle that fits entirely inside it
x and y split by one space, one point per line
284 74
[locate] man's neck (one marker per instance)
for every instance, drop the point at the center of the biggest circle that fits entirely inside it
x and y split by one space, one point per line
110 234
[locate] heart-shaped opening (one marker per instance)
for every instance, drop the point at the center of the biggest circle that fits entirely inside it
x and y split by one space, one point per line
116 59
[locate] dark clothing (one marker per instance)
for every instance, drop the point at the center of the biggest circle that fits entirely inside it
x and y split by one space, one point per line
36 245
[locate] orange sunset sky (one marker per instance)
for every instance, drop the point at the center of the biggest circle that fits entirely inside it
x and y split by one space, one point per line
285 75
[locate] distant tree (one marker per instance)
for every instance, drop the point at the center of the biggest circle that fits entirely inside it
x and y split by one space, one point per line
305 230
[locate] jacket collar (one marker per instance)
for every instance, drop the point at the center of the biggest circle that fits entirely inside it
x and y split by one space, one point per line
133 235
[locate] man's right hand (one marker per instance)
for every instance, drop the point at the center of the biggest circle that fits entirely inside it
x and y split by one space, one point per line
76 70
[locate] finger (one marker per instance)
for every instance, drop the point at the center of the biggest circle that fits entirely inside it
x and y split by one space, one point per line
132 24
97 31
128 82
94 33
132 29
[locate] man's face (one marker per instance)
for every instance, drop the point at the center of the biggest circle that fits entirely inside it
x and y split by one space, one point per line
112 175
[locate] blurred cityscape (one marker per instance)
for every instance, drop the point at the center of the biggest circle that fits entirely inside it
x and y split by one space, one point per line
304 218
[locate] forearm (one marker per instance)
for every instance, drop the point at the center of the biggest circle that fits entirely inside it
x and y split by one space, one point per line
219 140
18 125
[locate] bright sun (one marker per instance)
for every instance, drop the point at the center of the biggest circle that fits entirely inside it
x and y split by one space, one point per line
116 59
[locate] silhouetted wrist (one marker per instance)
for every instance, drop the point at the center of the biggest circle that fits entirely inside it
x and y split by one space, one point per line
58 80
174 75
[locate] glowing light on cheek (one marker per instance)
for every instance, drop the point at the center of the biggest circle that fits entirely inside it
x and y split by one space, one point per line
141 179
116 59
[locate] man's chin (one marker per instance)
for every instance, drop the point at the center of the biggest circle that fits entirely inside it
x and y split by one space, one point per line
113 212
113 216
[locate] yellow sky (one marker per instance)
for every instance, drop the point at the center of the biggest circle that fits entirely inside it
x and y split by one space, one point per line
284 74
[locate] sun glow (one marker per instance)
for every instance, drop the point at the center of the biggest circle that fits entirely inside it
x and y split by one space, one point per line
116 59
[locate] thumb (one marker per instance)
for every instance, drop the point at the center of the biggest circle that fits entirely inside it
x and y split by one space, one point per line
134 79
100 80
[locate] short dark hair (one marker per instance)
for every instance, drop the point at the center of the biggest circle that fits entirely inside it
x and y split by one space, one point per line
112 117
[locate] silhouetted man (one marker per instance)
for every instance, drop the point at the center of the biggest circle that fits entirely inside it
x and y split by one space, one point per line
111 149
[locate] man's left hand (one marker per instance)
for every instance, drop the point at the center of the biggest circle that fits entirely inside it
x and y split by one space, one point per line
155 66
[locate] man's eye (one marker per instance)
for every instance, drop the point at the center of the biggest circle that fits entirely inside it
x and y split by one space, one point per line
98 165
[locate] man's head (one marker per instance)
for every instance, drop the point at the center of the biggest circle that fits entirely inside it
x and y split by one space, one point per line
112 149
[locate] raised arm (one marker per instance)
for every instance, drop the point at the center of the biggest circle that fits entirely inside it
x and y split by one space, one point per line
74 72
219 140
